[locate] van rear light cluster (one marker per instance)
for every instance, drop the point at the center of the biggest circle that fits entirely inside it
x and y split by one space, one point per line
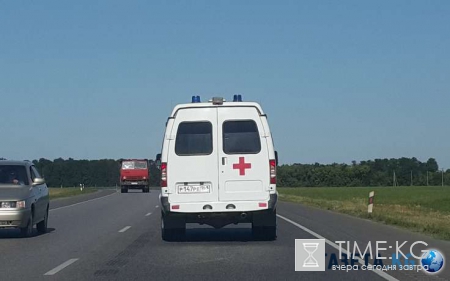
273 171
163 174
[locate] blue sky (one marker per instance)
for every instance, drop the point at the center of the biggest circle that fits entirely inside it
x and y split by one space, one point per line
340 80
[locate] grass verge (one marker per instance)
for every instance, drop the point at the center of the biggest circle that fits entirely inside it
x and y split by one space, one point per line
68 192
420 209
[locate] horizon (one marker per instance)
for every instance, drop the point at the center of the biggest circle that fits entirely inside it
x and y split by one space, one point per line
281 164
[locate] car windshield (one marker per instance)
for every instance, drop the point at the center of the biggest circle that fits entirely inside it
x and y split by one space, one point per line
140 165
132 165
13 174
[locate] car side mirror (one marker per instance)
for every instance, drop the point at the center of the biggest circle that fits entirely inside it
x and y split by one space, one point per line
158 160
38 181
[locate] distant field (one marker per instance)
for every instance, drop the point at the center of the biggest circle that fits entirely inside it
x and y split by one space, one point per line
421 209
68 191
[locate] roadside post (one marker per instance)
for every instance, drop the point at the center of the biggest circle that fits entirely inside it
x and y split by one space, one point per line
370 206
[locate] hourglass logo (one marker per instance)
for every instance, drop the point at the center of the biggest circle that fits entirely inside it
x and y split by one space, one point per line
309 254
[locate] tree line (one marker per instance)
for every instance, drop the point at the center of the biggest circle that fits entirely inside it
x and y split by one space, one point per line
378 172
91 173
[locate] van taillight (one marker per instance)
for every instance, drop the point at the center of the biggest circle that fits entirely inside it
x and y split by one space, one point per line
273 171
163 174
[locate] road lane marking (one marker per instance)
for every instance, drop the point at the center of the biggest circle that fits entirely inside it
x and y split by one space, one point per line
90 200
124 229
148 214
60 267
157 206
332 244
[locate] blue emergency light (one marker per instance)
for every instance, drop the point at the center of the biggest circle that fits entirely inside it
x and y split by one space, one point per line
195 99
237 98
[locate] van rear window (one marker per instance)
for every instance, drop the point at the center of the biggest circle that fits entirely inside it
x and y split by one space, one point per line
194 138
241 137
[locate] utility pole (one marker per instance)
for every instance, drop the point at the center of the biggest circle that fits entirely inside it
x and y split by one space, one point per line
442 177
411 179
394 181
427 178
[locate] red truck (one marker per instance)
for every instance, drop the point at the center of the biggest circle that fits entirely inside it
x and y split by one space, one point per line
134 174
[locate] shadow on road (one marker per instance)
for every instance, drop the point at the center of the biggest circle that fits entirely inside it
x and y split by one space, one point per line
15 233
218 235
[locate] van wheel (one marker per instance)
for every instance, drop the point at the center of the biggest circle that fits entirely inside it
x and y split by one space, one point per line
267 230
42 226
171 234
27 231
266 233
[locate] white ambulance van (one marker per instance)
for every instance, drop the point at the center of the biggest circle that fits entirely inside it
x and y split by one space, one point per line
218 167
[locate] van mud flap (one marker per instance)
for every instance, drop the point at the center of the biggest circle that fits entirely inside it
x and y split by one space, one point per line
165 205
265 218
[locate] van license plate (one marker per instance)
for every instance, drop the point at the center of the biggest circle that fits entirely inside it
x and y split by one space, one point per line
185 189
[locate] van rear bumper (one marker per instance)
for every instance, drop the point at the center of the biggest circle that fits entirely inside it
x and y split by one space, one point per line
218 207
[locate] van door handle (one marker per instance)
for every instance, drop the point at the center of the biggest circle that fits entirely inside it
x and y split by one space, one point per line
224 161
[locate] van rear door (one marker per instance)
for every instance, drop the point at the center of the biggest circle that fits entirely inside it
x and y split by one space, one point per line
244 172
192 164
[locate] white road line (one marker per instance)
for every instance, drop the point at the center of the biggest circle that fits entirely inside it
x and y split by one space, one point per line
332 244
148 214
90 200
157 206
124 229
60 267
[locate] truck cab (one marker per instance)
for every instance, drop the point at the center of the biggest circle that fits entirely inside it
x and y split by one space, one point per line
134 174
218 167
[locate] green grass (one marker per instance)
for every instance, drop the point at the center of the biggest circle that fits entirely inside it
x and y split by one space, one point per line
421 209
68 191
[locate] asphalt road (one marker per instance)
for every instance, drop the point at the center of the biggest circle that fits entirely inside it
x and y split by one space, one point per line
113 236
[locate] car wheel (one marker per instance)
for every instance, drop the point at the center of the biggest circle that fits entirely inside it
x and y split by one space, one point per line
42 226
27 231
124 190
